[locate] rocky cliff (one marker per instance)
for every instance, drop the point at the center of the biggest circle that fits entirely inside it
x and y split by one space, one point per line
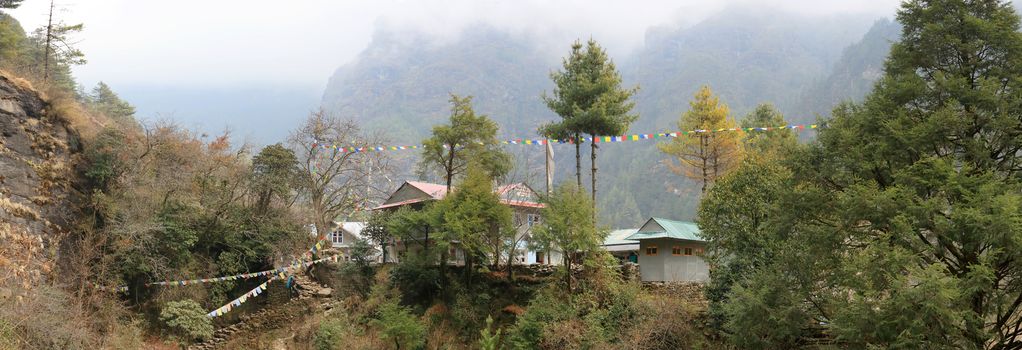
38 153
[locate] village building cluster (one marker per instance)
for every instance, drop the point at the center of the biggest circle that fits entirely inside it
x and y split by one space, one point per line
665 250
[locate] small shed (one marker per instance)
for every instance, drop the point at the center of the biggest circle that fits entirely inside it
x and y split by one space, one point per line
671 251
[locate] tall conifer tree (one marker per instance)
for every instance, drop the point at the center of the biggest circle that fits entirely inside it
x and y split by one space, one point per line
590 100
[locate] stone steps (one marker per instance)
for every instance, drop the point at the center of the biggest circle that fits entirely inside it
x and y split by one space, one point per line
274 315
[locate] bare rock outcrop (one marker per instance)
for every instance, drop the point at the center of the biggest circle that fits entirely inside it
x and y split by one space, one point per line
38 153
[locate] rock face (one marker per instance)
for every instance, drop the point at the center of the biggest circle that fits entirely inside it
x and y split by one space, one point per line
38 153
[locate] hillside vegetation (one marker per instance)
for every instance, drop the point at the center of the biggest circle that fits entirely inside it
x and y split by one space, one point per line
749 56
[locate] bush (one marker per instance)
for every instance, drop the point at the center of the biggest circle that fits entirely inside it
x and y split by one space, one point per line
417 278
663 323
488 339
330 333
187 319
397 324
543 311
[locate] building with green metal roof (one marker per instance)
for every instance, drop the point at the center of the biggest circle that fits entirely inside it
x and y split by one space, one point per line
671 250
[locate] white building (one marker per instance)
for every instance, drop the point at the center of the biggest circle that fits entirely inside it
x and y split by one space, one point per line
671 251
519 196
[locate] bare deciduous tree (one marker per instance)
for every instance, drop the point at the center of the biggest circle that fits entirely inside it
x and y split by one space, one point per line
340 171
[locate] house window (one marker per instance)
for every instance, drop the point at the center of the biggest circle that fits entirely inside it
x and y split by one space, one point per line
675 250
699 251
532 219
651 251
337 237
688 251
539 257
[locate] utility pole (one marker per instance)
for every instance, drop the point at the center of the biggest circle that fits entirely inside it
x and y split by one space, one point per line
49 36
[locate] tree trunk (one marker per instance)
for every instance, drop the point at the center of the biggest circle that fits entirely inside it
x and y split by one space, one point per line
593 162
510 264
705 158
578 160
49 36
567 266
450 168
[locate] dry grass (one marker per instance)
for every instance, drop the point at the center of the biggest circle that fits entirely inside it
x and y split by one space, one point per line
62 103
64 106
21 83
514 309
18 209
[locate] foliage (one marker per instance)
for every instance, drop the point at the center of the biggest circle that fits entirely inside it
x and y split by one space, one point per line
418 227
568 226
545 309
336 182
274 171
105 101
467 137
474 216
330 333
376 232
489 339
907 209
417 277
357 272
105 159
51 53
734 218
187 319
767 143
398 324
590 100
10 4
705 156
12 38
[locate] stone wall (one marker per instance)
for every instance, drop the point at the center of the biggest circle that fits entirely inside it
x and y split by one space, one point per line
688 291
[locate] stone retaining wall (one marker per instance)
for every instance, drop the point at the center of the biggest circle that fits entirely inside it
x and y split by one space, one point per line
689 291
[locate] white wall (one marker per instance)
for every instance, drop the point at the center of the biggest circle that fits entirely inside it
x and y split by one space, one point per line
668 267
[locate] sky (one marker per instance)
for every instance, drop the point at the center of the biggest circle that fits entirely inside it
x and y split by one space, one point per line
298 44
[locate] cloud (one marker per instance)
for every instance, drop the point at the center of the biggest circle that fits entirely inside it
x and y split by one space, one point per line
235 43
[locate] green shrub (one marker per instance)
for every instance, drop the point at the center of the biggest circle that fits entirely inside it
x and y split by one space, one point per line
488 339
330 333
417 278
398 324
543 311
187 320
8 340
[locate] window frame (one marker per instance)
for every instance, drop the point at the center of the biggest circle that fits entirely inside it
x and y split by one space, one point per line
688 251
532 219
676 250
655 250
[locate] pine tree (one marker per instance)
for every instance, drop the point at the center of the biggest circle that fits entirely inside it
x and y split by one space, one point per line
705 155
466 136
771 142
104 100
590 100
10 4
901 227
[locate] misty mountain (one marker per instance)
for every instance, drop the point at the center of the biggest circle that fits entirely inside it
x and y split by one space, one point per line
854 74
747 57
402 81
400 84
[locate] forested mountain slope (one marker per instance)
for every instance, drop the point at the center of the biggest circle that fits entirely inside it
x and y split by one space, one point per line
400 84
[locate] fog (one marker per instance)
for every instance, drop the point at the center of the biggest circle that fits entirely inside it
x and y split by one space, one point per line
222 44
